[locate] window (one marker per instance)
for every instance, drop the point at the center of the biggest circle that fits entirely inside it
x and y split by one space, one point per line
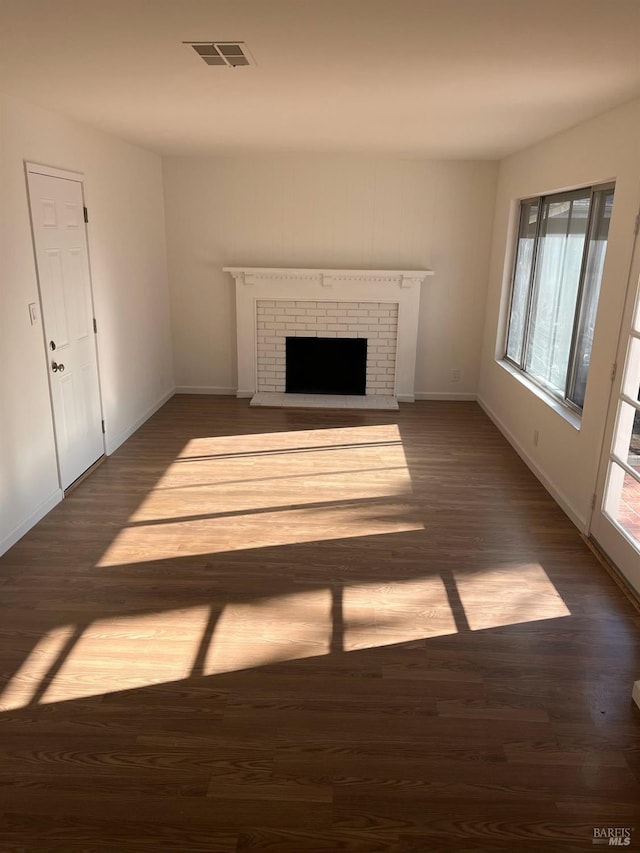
562 240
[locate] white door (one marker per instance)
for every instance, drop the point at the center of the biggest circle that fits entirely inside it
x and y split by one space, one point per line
60 241
615 524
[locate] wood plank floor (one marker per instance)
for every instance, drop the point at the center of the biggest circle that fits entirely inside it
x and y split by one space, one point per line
287 630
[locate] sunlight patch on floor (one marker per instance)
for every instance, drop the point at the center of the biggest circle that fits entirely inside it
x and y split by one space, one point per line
289 627
395 612
508 596
140 650
227 446
127 652
234 474
237 492
263 530
26 682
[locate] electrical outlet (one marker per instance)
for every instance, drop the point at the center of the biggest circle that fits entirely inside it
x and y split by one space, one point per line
455 374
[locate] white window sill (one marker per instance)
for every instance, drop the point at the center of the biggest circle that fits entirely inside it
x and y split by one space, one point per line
571 417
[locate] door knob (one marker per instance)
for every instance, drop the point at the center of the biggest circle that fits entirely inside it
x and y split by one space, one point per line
55 367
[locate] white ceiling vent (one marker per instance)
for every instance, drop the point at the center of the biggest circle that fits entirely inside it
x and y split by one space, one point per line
229 53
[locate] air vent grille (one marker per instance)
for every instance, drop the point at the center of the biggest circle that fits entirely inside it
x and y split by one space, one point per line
229 53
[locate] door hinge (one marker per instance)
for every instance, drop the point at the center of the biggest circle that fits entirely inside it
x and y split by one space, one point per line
637 225
593 501
86 214
614 370
103 430
95 326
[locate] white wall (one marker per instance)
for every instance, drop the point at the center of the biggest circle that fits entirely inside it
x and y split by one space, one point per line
605 148
123 187
328 211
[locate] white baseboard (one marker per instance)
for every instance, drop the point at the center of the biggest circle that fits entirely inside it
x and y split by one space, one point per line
244 395
406 398
206 389
33 518
446 395
559 497
112 444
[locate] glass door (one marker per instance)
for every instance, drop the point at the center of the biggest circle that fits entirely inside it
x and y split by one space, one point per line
615 525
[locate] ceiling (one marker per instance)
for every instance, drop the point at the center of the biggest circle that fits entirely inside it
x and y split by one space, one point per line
429 78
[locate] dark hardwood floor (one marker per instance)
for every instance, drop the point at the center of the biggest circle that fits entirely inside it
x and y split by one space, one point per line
288 630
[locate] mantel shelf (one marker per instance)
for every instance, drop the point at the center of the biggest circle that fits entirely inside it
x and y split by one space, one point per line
405 278
312 271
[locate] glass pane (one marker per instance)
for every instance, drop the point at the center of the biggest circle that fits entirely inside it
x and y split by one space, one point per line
521 279
601 217
636 313
626 441
622 502
560 250
631 380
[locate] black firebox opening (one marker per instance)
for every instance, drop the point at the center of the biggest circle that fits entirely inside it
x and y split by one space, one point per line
326 366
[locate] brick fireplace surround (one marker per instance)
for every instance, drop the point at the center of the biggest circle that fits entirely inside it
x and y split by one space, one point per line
281 318
379 305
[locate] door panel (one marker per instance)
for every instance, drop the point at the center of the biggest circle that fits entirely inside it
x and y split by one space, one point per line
67 310
616 519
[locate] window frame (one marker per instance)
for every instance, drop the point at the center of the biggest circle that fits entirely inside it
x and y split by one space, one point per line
594 190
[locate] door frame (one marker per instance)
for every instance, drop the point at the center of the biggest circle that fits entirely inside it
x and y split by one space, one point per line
33 168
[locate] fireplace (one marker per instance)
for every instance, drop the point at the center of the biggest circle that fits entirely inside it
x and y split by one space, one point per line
316 365
379 306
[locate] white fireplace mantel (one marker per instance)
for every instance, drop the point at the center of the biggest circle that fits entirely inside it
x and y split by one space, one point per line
401 287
